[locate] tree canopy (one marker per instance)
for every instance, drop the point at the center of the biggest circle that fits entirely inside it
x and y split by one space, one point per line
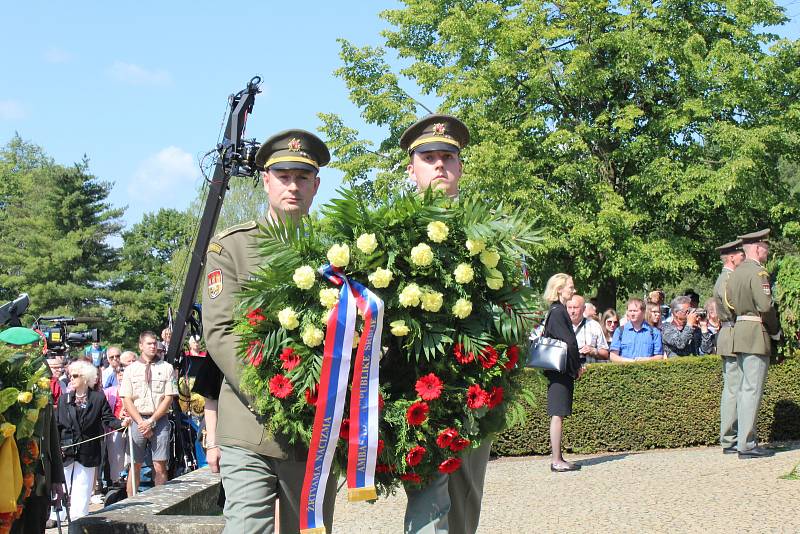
643 133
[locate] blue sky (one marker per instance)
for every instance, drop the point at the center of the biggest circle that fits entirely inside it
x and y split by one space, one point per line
141 87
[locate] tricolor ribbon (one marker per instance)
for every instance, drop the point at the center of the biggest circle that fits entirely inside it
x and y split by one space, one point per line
363 434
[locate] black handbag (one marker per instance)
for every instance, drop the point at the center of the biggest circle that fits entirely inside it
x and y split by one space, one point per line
547 353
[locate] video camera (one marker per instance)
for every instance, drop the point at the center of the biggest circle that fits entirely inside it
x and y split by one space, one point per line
59 339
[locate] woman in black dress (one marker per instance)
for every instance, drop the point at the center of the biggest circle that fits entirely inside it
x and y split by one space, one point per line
561 288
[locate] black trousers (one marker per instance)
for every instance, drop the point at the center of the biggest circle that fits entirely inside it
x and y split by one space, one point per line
34 516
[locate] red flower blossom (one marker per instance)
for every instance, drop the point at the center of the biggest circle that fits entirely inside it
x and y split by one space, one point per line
254 316
411 477
417 413
459 444
488 357
449 465
415 455
289 358
312 395
458 352
429 387
446 437
280 386
495 397
381 445
381 403
476 397
254 353
383 468
512 353
344 430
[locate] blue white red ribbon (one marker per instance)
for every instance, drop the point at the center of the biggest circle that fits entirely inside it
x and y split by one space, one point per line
363 433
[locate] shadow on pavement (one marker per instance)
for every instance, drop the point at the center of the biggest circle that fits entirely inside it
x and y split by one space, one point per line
602 459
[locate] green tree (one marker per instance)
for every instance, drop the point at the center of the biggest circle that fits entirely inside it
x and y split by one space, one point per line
642 133
54 233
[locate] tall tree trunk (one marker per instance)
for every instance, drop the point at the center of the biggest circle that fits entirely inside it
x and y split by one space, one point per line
607 295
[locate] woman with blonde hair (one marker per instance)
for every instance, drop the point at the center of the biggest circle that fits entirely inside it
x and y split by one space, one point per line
609 322
557 325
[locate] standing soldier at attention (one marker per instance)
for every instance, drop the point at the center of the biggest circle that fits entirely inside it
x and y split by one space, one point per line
749 295
257 468
732 256
450 503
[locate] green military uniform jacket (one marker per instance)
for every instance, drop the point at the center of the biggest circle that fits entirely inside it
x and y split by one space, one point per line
51 468
749 294
726 315
231 258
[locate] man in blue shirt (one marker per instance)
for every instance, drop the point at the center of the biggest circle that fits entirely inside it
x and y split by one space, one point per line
636 340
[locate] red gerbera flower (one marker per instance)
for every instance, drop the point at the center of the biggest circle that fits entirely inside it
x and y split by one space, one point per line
383 468
411 477
476 397
417 413
495 397
446 437
512 353
289 358
280 386
415 455
254 353
381 445
458 352
344 430
429 387
449 465
459 444
254 316
312 394
488 357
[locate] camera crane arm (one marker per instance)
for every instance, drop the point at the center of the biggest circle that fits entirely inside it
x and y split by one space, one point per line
235 159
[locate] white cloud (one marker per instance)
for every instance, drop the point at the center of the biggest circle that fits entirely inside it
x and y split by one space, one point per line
57 55
137 75
12 110
168 175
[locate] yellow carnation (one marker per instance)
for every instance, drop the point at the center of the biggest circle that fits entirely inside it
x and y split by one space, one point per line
339 255
43 383
32 415
431 301
7 430
399 328
356 339
462 308
381 278
288 319
437 231
25 397
464 273
42 401
422 255
329 297
475 246
494 280
489 258
312 336
304 277
410 295
367 243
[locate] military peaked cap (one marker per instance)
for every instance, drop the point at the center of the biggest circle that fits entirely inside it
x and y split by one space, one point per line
435 132
762 236
293 149
730 248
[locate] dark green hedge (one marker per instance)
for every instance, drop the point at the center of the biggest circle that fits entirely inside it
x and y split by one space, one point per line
666 404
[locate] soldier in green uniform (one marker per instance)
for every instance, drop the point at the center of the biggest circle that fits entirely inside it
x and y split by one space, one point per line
450 503
732 256
257 467
749 296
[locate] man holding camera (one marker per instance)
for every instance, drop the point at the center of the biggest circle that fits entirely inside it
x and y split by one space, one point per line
688 332
749 296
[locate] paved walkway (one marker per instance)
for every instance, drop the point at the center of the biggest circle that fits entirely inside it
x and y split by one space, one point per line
675 491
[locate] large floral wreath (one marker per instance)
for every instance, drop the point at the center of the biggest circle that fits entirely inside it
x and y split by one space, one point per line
24 392
456 314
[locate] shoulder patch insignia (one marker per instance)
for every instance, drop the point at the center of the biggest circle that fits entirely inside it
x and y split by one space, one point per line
215 283
250 225
766 288
763 273
216 248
